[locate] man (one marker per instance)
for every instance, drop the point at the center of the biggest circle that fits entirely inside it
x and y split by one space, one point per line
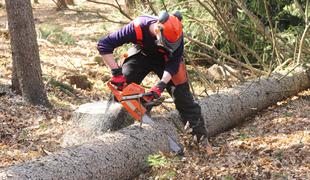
159 48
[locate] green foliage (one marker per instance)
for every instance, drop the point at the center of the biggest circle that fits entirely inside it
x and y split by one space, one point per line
279 155
62 86
162 166
168 175
280 176
288 114
228 178
23 135
43 126
157 160
217 24
242 136
56 34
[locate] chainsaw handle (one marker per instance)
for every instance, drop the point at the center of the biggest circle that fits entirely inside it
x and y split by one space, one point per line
148 94
156 102
136 96
114 91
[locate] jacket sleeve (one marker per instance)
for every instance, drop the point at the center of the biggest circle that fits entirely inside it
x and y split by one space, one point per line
107 44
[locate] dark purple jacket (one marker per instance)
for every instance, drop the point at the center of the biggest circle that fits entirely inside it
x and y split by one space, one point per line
127 34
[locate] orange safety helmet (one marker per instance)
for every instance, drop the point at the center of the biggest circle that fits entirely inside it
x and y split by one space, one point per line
170 27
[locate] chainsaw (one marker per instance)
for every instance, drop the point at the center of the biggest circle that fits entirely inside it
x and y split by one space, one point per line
134 99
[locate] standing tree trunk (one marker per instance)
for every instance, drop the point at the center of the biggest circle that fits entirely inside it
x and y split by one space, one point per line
61 4
130 4
70 2
27 73
15 81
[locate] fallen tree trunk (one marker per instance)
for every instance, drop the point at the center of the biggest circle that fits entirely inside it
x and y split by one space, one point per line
115 155
122 154
229 108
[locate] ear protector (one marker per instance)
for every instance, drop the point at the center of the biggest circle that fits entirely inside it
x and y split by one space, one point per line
164 16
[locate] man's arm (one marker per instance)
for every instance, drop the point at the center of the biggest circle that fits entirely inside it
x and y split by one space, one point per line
108 60
166 77
107 44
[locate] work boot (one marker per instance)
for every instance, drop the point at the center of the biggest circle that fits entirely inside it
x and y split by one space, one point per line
205 146
199 129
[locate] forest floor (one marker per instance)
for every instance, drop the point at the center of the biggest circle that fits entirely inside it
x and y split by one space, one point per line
275 144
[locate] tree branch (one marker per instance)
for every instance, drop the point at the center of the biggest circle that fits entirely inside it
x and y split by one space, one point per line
302 41
220 18
100 15
240 78
274 41
213 48
118 7
152 7
201 75
299 7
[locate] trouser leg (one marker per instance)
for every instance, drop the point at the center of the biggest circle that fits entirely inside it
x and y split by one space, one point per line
189 109
135 68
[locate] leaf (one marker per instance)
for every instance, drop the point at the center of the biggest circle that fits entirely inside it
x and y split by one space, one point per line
157 160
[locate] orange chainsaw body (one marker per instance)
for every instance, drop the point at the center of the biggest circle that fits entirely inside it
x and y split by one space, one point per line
133 106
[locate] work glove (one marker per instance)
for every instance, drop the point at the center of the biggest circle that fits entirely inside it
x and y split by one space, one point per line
156 91
118 79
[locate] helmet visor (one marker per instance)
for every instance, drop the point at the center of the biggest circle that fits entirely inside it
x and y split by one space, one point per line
173 46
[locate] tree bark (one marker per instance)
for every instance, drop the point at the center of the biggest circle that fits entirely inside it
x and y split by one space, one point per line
61 5
15 80
116 155
70 2
94 119
130 4
25 52
227 109
122 154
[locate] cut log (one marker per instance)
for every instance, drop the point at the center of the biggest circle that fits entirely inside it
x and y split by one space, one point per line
122 154
94 119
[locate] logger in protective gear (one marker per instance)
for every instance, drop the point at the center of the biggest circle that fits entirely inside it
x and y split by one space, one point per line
159 47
